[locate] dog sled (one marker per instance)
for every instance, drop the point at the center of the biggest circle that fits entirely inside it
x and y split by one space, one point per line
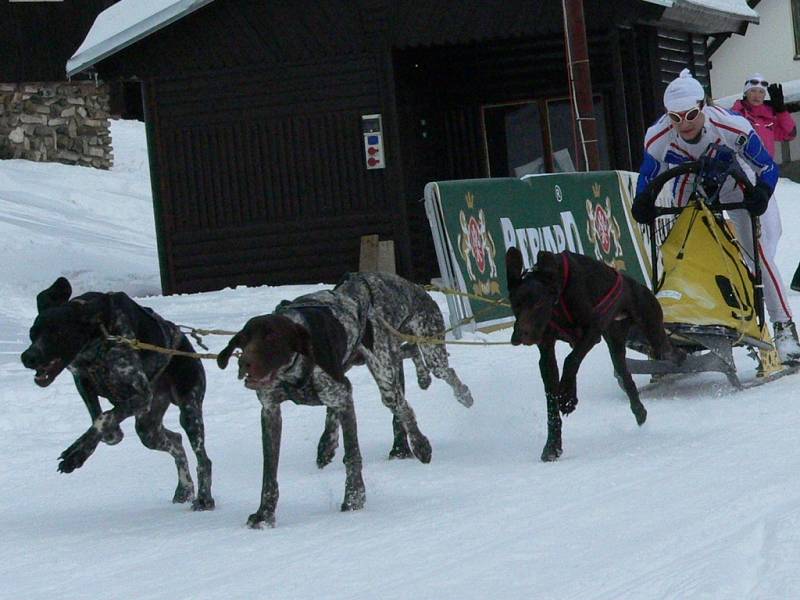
712 302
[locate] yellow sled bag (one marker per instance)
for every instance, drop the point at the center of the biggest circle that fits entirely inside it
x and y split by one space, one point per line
705 281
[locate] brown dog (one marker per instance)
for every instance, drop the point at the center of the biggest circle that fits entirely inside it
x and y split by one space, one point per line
577 299
302 352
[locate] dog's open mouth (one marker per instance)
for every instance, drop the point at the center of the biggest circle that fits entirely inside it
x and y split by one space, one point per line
46 374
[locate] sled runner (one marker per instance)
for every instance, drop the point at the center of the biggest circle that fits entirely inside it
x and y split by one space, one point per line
711 300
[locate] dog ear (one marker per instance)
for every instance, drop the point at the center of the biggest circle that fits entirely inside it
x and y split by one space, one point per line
237 341
56 295
514 267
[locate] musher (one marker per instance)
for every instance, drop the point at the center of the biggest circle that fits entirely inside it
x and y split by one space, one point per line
682 134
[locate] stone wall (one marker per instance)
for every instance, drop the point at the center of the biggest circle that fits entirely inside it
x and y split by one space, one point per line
63 122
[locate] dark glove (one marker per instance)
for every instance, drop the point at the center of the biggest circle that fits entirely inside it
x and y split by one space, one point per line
776 97
758 199
644 207
716 163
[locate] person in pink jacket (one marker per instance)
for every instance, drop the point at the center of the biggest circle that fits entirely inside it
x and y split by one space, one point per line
769 118
772 123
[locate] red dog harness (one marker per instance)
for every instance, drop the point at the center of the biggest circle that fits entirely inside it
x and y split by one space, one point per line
561 320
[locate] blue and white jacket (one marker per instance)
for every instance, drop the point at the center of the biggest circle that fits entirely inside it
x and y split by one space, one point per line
665 149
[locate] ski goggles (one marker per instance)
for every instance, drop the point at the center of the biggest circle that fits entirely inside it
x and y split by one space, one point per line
760 82
688 115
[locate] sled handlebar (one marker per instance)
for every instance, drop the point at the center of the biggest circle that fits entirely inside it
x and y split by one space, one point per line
695 166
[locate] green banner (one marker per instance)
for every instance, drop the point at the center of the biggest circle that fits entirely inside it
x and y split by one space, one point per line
479 219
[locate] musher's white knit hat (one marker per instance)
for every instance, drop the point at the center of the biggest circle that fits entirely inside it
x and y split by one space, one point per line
683 93
758 78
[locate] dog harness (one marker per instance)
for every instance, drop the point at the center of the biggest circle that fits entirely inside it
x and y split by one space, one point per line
318 312
94 361
561 320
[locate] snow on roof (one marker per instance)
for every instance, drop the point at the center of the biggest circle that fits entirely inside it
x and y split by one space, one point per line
734 7
123 24
731 7
791 93
667 3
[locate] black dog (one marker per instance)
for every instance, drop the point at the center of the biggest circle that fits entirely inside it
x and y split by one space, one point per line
73 333
577 299
302 351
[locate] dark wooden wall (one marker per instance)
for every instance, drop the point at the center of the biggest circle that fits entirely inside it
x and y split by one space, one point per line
675 51
254 113
262 179
37 38
257 147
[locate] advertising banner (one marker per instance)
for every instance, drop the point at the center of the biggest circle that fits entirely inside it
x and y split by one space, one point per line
475 221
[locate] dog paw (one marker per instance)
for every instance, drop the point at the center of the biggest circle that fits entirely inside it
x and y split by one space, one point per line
422 449
323 460
325 456
113 437
464 396
203 504
640 412
567 403
401 451
69 462
551 452
260 521
73 457
354 500
183 493
326 449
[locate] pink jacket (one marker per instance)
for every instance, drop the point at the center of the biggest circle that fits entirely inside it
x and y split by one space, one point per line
770 126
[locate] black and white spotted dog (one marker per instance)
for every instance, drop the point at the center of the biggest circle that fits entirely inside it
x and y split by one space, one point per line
302 351
72 334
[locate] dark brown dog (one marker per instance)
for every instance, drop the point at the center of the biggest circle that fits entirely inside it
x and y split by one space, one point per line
577 299
302 352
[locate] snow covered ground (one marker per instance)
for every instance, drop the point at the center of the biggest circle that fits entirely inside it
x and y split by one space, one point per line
701 502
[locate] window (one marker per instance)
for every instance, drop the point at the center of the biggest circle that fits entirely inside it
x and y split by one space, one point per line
796 25
560 126
514 142
536 137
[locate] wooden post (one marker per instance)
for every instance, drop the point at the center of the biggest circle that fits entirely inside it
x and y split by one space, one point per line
368 258
386 262
376 255
580 84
